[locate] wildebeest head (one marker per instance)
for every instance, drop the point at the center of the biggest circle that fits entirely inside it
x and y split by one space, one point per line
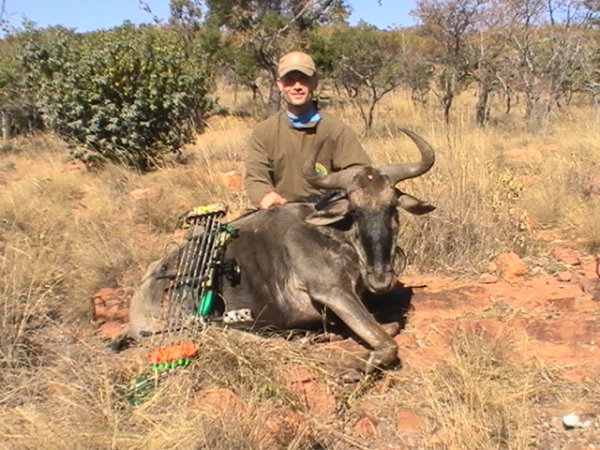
368 198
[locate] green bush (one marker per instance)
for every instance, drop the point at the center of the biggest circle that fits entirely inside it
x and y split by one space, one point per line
128 94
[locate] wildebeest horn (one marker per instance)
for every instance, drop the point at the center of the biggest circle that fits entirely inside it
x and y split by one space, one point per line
404 171
396 172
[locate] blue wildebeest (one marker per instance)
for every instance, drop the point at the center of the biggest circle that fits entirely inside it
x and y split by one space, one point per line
303 263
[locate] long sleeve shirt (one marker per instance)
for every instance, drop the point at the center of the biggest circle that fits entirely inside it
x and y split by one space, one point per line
278 151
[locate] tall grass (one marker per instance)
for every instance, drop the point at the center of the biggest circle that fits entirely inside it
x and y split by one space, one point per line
65 232
483 395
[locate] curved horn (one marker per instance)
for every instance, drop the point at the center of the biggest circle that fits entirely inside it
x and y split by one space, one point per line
336 180
404 171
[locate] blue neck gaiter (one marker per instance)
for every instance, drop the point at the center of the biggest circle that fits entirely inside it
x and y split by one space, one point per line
305 120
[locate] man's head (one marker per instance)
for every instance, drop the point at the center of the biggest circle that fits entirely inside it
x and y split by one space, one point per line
297 79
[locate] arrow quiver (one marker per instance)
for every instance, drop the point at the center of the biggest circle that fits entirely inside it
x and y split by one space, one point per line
194 289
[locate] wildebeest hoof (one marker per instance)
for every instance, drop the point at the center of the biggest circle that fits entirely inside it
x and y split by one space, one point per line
391 329
121 343
349 375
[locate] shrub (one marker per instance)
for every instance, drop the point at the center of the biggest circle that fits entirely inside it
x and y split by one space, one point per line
127 94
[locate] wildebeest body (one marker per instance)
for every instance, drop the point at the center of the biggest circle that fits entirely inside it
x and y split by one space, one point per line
280 283
304 264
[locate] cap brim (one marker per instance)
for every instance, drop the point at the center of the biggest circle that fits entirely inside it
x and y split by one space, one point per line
305 70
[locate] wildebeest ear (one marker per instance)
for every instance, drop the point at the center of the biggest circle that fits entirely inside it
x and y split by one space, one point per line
331 213
413 205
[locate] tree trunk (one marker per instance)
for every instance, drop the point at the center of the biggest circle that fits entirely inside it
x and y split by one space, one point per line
274 100
5 125
447 104
482 103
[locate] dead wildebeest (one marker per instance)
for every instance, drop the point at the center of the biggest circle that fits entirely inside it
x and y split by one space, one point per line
302 264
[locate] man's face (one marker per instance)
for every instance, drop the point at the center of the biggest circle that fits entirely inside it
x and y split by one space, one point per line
297 88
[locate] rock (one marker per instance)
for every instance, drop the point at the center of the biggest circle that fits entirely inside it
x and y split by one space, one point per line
231 180
311 391
564 276
567 256
74 166
220 401
406 340
487 278
111 329
408 422
144 194
366 425
281 421
511 265
110 307
563 304
591 286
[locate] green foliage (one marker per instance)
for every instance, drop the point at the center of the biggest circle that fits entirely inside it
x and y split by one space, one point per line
15 99
129 94
366 63
258 33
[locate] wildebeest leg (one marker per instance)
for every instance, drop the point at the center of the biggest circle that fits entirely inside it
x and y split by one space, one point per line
355 316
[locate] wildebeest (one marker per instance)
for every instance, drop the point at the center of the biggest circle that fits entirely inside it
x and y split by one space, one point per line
303 263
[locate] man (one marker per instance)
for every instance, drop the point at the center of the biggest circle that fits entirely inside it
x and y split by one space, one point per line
281 144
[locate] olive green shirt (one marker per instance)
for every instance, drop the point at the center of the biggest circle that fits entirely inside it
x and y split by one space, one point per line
278 151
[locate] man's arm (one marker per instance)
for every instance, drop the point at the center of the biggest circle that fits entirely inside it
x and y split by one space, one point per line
257 181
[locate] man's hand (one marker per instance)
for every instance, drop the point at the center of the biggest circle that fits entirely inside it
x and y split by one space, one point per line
271 199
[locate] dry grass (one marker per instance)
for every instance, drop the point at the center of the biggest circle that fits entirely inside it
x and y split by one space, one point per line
64 233
483 395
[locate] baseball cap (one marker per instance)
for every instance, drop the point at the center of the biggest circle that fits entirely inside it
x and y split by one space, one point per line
299 61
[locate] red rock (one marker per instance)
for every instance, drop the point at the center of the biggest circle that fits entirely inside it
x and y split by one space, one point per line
218 400
277 422
111 329
73 166
111 304
591 286
144 194
488 278
311 391
564 276
567 256
231 180
511 265
564 304
110 307
366 425
408 422
296 373
406 340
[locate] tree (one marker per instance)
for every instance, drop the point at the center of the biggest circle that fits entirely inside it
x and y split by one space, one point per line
127 94
449 23
546 55
17 101
266 29
364 62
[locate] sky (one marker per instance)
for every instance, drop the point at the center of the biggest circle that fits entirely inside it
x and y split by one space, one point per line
88 15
